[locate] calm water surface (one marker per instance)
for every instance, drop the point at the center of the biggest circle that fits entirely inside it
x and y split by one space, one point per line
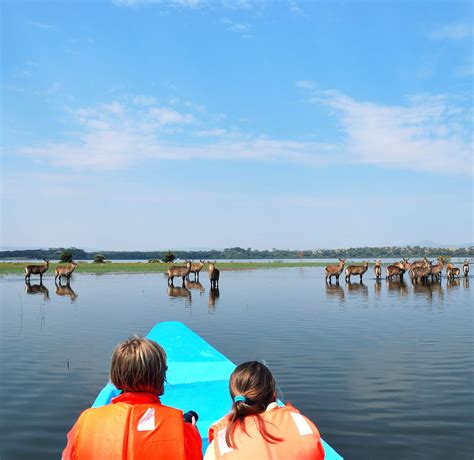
385 370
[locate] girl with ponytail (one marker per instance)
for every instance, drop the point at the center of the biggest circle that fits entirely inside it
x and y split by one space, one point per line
256 428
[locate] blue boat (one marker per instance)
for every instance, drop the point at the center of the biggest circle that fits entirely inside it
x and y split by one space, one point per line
197 378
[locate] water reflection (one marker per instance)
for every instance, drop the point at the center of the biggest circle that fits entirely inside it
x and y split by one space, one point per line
453 282
196 286
213 299
357 289
180 293
465 282
65 290
37 289
335 291
397 287
378 287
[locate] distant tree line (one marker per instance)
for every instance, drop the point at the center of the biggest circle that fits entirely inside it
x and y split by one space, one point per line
241 253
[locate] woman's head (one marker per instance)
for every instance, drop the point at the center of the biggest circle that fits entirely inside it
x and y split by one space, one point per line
255 382
252 388
138 365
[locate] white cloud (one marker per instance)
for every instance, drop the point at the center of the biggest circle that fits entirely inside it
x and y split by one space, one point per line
114 136
182 3
238 27
144 100
166 116
455 31
430 133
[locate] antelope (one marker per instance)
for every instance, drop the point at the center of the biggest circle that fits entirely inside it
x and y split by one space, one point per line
437 269
64 270
213 275
378 269
394 270
66 291
419 263
195 269
465 267
334 270
182 272
36 270
356 270
421 273
452 271
37 289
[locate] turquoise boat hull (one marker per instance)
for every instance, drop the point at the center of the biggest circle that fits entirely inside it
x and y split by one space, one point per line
197 378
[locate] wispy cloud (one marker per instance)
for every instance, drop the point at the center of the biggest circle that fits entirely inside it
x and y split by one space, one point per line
430 133
116 135
237 27
172 3
42 25
454 31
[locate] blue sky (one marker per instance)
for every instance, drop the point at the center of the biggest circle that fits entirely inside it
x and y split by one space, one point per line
137 124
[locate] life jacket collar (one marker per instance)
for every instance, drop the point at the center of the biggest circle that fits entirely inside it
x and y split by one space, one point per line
136 398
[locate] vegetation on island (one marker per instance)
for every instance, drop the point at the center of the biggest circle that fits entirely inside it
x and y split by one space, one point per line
409 252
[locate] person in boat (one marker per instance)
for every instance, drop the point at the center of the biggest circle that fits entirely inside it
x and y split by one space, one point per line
135 424
256 427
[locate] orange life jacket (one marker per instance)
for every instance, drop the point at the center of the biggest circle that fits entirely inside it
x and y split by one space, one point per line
143 430
301 439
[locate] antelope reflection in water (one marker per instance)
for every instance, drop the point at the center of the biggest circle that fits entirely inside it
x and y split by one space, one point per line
335 291
357 288
428 289
399 287
452 282
465 282
37 289
378 287
213 299
66 290
180 292
196 286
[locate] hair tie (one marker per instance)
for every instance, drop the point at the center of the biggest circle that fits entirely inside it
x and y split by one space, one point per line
239 398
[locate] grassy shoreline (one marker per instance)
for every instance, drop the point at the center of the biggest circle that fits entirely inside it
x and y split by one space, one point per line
16 268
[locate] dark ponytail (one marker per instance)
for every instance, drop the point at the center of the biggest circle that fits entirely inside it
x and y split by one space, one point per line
256 384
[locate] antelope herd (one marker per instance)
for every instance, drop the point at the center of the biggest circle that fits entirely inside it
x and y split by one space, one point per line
419 271
174 271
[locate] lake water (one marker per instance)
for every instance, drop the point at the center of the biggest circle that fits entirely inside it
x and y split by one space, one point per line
386 371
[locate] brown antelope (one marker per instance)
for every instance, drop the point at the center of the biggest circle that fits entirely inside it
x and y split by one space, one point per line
465 267
195 269
354 270
437 269
36 270
394 270
213 275
419 263
66 291
180 272
64 270
37 289
422 273
378 269
335 270
452 271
